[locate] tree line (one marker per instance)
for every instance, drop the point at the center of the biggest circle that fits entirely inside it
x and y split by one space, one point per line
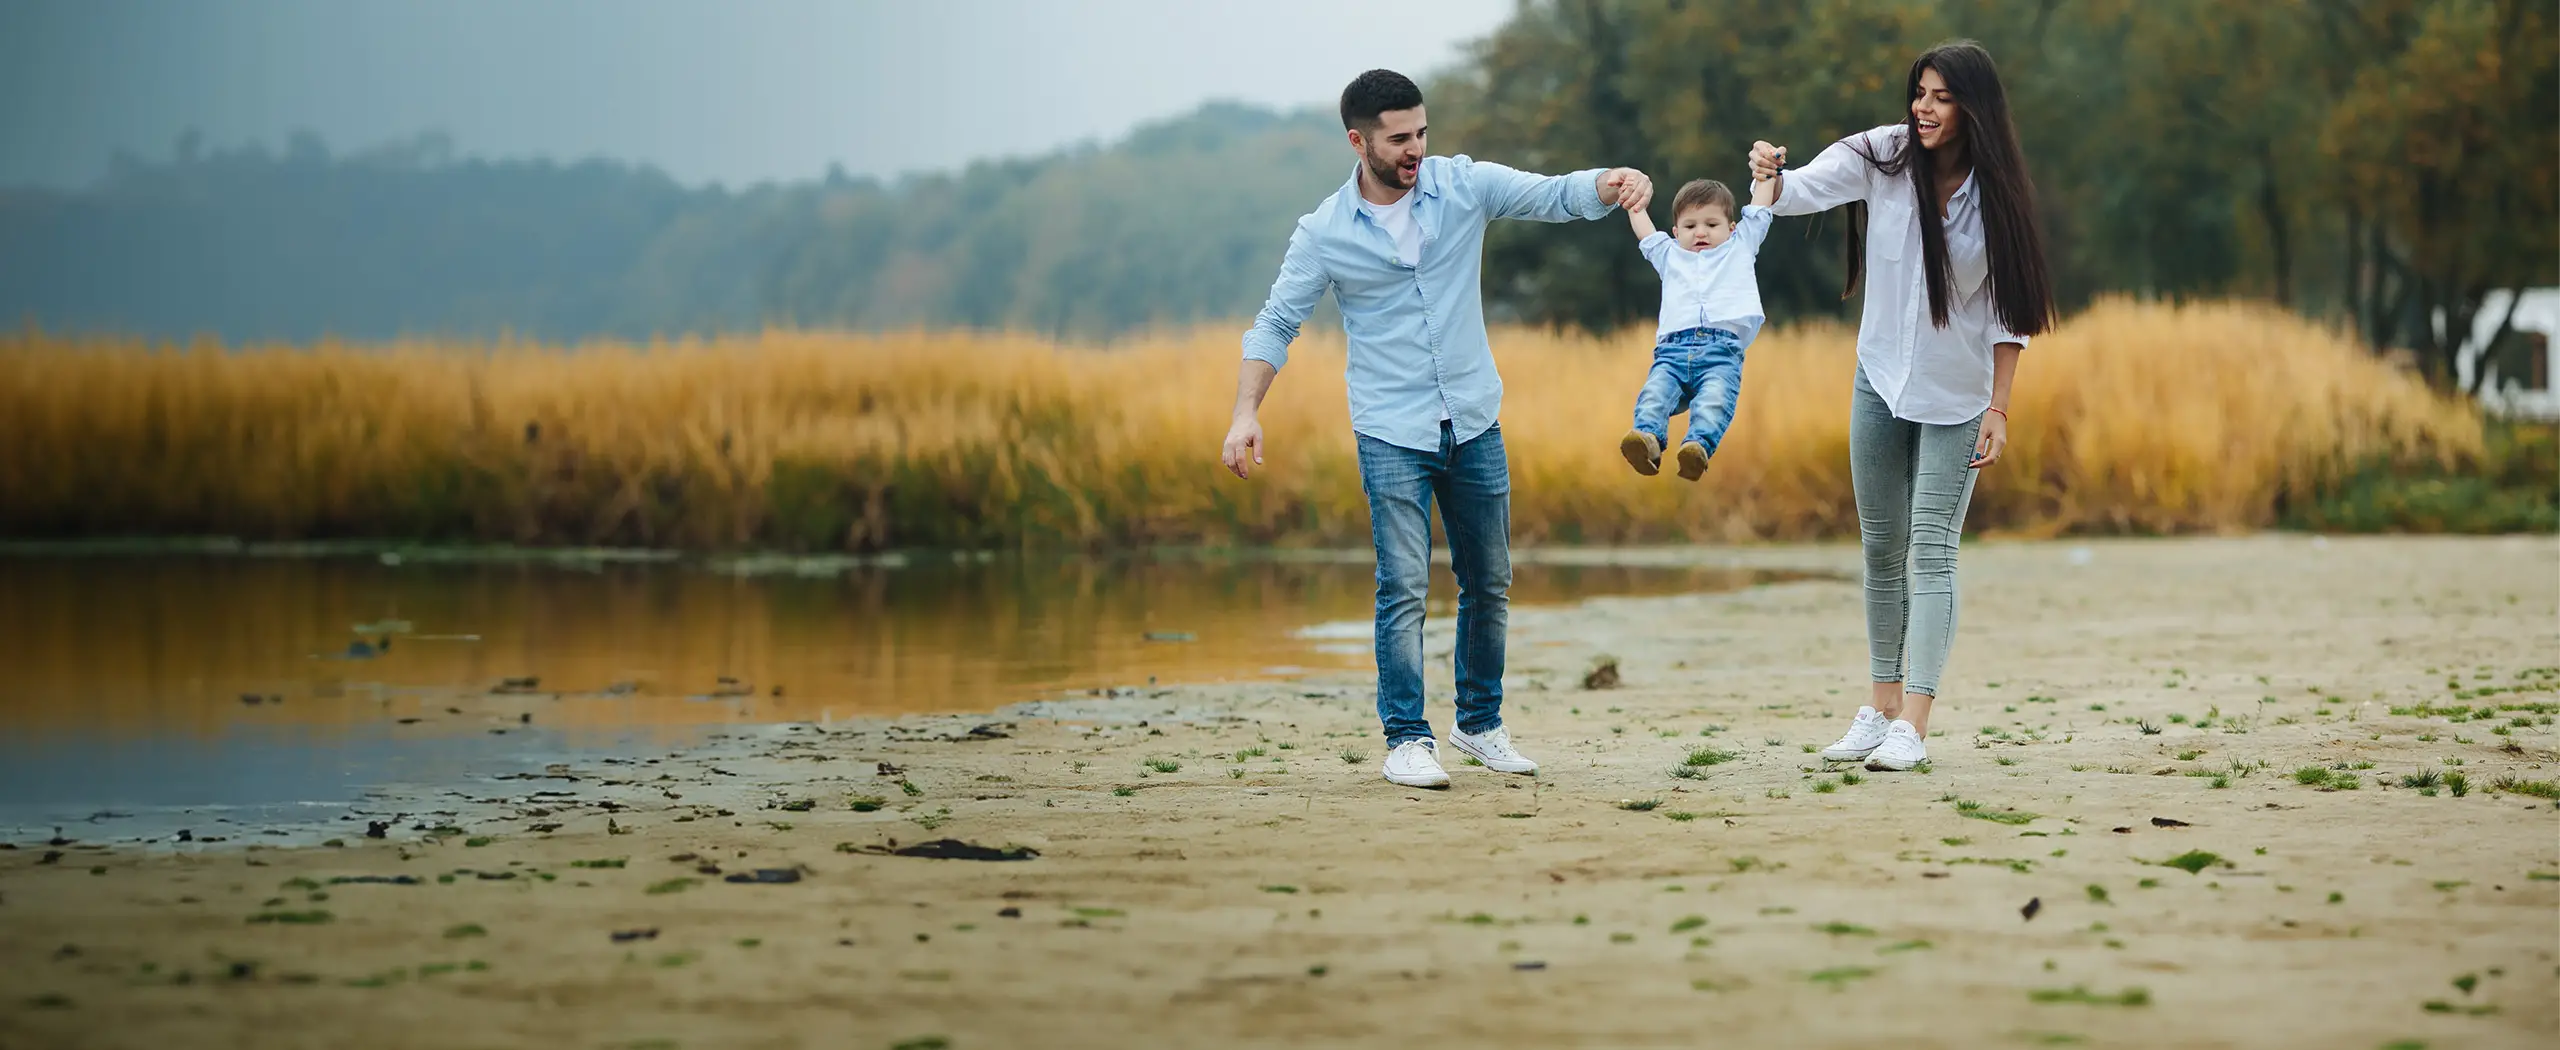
2380 162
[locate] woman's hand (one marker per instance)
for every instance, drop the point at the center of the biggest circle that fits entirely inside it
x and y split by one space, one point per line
1767 160
1993 440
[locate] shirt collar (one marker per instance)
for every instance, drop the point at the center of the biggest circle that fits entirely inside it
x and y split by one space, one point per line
1964 192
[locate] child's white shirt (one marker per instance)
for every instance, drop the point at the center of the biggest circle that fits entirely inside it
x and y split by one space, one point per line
1715 288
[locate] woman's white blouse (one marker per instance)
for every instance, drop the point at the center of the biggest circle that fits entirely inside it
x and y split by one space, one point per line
1926 374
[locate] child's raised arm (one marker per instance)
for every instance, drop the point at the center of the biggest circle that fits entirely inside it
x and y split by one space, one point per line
1764 192
1637 220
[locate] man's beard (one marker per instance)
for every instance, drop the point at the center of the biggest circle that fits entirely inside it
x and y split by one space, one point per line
1387 175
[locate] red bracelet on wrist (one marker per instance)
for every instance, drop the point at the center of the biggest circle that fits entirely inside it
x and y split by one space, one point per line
2003 415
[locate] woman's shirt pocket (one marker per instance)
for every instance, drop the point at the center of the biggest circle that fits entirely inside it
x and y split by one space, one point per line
1888 226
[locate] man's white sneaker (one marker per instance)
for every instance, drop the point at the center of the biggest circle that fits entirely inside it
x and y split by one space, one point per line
1901 750
1493 748
1414 764
1866 733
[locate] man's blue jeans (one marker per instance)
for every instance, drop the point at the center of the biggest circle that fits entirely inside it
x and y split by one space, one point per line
1698 371
1472 482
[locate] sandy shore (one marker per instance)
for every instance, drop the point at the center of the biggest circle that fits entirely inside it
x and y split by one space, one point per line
1286 896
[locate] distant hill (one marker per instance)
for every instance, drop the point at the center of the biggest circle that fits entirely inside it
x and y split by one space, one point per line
1181 221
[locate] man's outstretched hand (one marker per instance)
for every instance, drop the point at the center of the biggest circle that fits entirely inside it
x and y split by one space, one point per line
1243 450
1621 185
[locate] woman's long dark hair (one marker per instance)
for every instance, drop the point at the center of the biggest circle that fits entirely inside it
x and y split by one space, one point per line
2021 288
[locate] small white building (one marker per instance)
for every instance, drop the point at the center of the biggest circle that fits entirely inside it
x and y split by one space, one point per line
2519 381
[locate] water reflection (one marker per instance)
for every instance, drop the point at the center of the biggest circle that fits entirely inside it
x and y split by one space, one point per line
161 646
125 681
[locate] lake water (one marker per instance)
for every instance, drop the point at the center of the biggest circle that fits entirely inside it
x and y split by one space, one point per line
154 692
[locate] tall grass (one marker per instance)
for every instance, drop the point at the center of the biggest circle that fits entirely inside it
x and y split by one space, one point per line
2130 418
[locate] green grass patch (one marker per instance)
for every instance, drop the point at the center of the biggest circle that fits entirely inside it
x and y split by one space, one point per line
462 930
2439 1006
1842 929
2192 862
314 917
1709 756
1838 977
1976 810
2545 789
672 886
2081 994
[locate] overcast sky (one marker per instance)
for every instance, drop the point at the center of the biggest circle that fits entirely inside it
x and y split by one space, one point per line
736 91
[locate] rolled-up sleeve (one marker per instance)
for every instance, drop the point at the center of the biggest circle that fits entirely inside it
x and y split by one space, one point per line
1753 230
1509 193
1293 296
1656 249
1837 176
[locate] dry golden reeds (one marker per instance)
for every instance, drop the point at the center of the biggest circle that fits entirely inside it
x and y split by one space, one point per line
2130 418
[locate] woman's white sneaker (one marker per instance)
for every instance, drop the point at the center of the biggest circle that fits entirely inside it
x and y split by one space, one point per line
1493 748
1866 733
1414 764
1901 750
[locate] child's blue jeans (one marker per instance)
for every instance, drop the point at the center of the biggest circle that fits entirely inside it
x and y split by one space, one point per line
1697 370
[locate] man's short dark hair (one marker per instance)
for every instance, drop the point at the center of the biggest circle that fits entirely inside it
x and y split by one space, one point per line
1374 92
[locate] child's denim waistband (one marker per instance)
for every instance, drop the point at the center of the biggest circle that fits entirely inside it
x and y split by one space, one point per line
1694 338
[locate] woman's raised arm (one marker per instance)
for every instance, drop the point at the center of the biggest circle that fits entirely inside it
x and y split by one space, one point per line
1837 176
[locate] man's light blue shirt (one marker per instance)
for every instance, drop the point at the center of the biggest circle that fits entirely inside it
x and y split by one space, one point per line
1416 333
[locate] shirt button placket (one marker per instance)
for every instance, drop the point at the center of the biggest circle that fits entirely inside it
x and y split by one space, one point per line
1431 333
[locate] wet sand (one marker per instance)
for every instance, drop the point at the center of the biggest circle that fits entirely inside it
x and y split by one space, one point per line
1292 898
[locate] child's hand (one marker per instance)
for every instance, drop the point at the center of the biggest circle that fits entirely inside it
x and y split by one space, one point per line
1767 161
1638 198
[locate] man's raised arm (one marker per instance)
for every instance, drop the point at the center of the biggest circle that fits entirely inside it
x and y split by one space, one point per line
1510 193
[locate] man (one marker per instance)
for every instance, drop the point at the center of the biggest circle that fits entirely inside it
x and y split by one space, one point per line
1402 247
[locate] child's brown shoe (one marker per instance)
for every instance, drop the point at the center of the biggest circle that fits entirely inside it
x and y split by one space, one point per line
1642 452
1693 461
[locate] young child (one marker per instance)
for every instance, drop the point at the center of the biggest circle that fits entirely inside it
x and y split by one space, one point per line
1710 312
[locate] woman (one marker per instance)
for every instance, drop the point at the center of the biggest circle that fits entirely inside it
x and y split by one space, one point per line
1959 287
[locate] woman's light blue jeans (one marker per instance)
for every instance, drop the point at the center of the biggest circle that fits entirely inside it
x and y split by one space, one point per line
1913 482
